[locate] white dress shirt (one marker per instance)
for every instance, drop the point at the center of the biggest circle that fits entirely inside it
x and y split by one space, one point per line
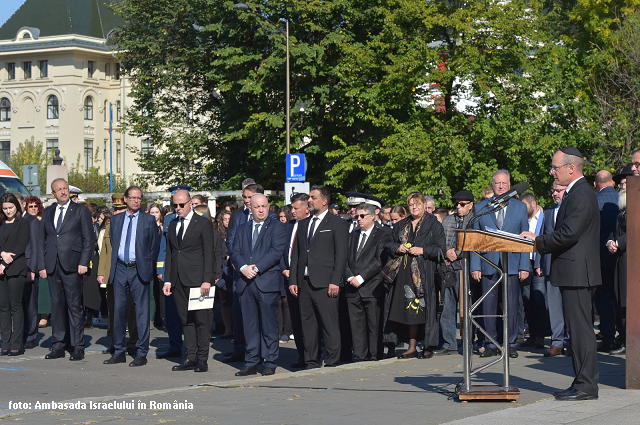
362 234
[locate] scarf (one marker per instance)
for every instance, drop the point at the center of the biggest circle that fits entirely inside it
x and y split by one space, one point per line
394 264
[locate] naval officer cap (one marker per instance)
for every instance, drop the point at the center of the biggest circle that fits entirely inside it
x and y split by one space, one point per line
357 198
174 189
572 151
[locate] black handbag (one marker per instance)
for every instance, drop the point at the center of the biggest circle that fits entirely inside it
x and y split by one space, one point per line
446 276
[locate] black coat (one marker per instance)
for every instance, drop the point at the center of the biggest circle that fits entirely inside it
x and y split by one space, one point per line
16 242
620 278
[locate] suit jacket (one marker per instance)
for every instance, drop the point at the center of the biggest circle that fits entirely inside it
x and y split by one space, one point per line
147 244
515 221
162 254
73 246
326 257
574 243
34 254
609 210
266 254
17 241
238 218
368 264
548 224
194 261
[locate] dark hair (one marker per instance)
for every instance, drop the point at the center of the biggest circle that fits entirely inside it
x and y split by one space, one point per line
126 192
10 198
274 208
528 197
107 215
35 200
300 197
287 211
254 187
205 211
233 205
441 212
324 191
166 210
200 198
219 223
158 206
88 207
368 208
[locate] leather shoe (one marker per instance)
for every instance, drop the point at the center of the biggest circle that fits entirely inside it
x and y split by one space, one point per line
268 371
139 361
616 351
425 354
201 367
313 366
246 371
444 351
489 352
29 345
78 354
604 348
233 358
557 393
408 355
14 353
169 355
576 395
513 353
298 365
185 365
115 359
58 353
553 351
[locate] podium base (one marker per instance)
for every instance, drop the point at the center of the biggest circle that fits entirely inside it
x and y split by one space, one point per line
490 392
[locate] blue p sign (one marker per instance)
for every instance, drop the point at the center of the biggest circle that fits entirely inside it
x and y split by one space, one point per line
296 167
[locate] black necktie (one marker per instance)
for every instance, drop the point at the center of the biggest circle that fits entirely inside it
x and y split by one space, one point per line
256 232
180 231
59 223
362 241
127 239
565 195
313 227
460 222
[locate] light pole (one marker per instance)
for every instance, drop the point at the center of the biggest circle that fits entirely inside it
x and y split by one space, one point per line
244 8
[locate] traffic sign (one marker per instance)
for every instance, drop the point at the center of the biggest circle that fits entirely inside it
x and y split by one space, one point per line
296 167
291 189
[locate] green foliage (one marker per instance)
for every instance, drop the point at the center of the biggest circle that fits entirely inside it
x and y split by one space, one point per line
30 152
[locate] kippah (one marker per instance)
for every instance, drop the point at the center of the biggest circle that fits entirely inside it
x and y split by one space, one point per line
572 151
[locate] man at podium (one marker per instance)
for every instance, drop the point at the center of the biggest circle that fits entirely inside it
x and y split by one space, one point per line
513 219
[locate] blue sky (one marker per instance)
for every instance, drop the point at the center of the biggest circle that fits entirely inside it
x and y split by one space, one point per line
7 9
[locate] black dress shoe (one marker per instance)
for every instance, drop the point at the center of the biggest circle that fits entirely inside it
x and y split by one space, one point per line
489 352
246 371
557 393
576 395
408 355
201 367
513 353
4 353
115 359
169 355
425 354
57 353
298 365
604 348
444 351
268 371
233 358
313 366
139 361
185 365
14 353
616 351
29 345
78 354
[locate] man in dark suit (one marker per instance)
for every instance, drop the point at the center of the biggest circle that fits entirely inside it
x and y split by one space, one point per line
135 244
191 263
67 244
300 211
575 267
257 253
362 273
317 267
512 219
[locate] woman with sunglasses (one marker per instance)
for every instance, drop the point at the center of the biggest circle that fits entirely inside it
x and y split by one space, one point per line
35 208
14 237
416 242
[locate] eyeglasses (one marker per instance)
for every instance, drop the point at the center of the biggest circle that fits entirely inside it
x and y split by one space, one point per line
134 198
636 164
181 205
32 206
62 189
361 215
462 204
554 169
558 190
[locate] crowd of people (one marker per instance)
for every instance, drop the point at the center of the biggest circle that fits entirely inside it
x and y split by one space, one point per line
345 288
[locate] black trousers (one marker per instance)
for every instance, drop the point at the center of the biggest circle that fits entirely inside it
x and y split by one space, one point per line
317 306
196 325
577 309
296 321
364 316
31 316
65 289
11 312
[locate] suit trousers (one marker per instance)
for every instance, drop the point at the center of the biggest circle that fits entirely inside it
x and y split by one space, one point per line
559 332
604 300
239 344
260 323
172 323
364 318
196 325
127 282
317 307
490 307
535 311
30 305
576 302
67 312
296 323
131 319
11 313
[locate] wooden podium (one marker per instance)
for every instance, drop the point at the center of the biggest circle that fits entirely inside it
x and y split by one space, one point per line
476 241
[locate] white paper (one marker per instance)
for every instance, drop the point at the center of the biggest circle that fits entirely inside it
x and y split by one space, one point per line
197 302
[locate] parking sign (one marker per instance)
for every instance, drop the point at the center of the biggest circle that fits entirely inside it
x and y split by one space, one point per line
296 167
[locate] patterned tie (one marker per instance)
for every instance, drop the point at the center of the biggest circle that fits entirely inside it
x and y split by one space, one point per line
362 242
256 232
180 231
500 218
460 222
59 223
127 240
313 227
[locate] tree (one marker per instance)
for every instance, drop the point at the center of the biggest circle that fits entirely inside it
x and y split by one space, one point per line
30 152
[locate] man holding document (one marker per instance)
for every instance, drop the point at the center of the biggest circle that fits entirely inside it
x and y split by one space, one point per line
191 263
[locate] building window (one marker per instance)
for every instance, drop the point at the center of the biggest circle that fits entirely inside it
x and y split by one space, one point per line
88 154
147 148
52 145
117 75
104 154
118 158
107 71
11 71
5 150
52 107
26 69
118 111
88 108
5 109
44 71
91 69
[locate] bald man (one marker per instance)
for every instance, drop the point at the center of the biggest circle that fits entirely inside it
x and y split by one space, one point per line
605 295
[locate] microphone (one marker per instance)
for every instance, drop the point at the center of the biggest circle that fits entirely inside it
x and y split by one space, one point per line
516 190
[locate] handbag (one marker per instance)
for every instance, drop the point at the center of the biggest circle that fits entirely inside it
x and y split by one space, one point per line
446 276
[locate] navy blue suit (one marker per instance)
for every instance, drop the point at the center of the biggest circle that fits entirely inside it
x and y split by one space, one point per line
294 305
133 279
259 297
171 319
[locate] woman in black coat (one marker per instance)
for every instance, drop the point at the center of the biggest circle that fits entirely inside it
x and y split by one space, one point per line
413 253
617 245
14 237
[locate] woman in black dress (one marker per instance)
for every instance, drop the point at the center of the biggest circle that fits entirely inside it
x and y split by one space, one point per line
413 253
14 237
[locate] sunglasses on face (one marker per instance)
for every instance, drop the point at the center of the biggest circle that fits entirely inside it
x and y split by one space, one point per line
32 206
181 205
361 215
462 204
